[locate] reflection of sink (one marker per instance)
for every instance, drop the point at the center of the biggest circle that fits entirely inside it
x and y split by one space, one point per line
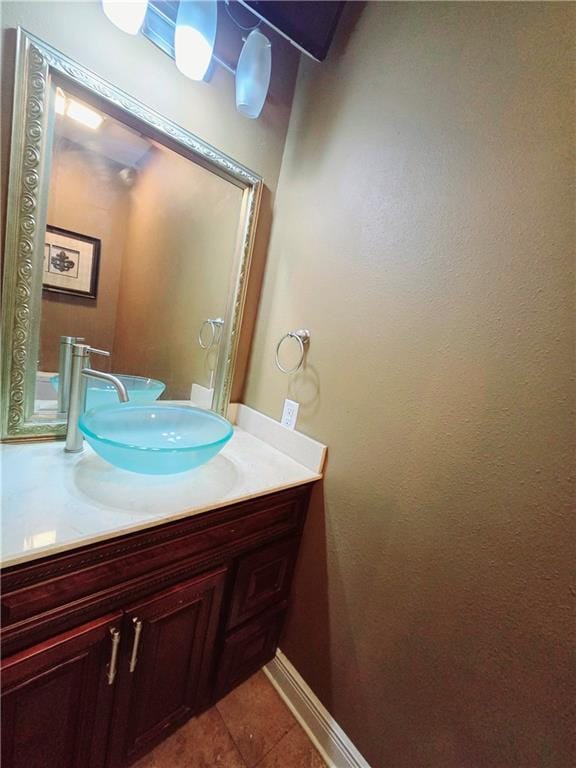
140 390
159 439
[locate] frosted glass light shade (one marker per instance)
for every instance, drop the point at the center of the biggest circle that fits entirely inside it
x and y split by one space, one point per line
127 15
194 36
253 74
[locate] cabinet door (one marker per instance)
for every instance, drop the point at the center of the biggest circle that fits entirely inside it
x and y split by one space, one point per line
165 668
57 697
249 648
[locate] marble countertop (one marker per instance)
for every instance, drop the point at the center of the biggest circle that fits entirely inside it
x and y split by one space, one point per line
53 501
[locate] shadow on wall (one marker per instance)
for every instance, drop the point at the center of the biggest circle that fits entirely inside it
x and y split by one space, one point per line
317 621
309 614
309 152
346 28
304 388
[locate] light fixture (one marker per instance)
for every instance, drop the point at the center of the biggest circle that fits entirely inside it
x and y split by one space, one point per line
193 41
127 15
83 114
253 74
194 36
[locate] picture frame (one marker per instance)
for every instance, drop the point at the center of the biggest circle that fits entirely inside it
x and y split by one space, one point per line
71 263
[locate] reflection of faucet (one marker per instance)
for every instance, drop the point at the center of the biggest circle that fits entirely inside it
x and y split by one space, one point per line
64 370
77 402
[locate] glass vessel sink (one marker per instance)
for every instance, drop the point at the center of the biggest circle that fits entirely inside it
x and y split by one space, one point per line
159 439
140 390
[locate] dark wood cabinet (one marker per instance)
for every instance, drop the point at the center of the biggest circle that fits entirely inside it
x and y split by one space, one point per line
263 579
164 673
108 648
248 648
57 698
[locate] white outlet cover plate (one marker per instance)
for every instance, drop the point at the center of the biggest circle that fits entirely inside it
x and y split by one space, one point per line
289 414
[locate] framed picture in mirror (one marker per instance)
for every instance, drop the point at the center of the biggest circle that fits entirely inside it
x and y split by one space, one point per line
71 262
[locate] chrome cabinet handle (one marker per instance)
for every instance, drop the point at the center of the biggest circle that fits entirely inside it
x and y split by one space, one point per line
115 635
137 632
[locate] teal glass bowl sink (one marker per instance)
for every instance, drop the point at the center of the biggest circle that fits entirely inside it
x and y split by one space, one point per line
160 439
99 392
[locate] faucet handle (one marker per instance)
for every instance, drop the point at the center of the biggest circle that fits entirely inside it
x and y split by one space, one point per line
102 352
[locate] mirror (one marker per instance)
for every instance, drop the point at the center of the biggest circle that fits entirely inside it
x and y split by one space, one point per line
137 241
139 248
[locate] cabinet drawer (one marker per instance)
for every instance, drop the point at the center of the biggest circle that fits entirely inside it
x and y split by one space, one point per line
249 648
263 578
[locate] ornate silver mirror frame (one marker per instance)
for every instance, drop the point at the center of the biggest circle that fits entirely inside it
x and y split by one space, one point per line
38 66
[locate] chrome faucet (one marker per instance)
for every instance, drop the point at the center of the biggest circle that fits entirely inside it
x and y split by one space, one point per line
77 402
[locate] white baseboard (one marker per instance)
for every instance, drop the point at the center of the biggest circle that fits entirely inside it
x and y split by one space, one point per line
324 732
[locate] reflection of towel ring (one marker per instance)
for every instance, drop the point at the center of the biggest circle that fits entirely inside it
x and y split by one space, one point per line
303 338
216 326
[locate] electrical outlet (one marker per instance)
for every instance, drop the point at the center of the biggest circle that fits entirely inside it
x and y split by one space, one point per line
289 414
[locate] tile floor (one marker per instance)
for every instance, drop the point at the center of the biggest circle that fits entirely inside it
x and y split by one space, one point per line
250 727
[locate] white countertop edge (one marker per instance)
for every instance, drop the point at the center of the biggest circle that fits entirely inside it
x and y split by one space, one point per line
49 550
42 494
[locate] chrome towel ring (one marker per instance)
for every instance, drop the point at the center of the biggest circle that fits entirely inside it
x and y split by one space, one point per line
302 336
216 326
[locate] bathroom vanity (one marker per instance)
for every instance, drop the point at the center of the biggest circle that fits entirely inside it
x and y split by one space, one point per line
111 645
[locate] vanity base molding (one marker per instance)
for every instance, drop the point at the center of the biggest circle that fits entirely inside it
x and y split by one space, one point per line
109 648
